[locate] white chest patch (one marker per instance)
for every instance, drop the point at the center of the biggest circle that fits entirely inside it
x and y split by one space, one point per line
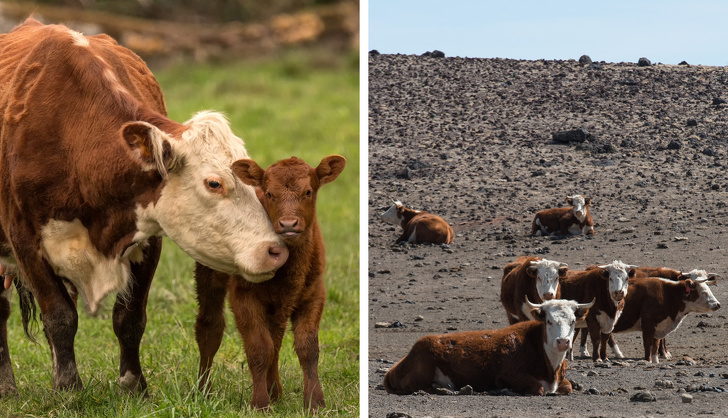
413 237
548 387
68 249
668 325
442 381
575 229
606 323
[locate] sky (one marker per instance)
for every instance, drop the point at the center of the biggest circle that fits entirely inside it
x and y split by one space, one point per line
667 31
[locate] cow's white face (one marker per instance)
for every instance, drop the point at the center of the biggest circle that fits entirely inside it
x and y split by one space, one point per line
392 214
207 210
560 316
547 273
706 301
618 275
579 203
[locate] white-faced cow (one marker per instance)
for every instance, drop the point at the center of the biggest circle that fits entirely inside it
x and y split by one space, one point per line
575 219
92 174
527 357
288 190
418 226
532 277
608 284
657 306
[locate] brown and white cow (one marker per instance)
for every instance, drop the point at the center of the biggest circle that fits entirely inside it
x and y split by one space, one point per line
657 306
575 219
288 191
418 226
608 284
92 174
532 277
527 357
640 272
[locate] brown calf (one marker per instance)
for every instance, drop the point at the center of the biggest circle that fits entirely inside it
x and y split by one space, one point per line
608 284
657 306
575 219
527 357
288 191
418 226
532 277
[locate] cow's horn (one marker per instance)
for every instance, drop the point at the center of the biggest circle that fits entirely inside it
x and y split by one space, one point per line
533 305
586 305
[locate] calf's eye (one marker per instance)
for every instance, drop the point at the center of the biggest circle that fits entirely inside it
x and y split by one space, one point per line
308 192
213 184
268 195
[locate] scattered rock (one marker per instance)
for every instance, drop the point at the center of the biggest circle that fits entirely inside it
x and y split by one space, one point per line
466 390
373 52
585 60
398 415
574 135
692 122
664 384
645 396
674 144
643 62
717 101
685 398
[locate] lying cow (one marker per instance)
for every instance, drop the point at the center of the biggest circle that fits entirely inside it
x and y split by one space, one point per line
527 357
608 284
418 226
574 220
657 306
288 191
532 277
92 175
640 272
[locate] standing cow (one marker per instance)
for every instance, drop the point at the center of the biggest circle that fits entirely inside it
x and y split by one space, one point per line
418 226
534 278
575 219
288 190
528 357
92 174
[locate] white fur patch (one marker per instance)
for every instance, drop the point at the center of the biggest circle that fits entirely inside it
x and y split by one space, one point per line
413 238
390 215
549 387
579 204
79 39
70 252
442 381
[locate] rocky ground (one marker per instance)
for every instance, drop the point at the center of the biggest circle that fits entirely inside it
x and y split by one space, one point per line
473 140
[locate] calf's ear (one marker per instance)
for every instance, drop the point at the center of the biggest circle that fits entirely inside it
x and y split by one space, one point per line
563 271
569 201
631 272
330 168
249 172
538 314
587 201
150 146
532 271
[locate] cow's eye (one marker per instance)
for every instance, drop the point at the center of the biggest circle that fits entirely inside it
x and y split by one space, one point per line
215 185
308 192
269 196
549 322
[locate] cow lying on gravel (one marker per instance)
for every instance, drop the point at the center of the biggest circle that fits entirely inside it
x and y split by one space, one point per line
534 278
418 226
288 191
575 219
527 357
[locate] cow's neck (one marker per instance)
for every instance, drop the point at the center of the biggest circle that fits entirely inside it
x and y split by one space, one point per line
408 214
553 356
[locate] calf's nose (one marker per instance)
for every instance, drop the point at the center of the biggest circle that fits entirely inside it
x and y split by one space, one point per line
288 222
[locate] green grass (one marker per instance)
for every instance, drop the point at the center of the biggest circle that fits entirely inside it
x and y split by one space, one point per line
303 103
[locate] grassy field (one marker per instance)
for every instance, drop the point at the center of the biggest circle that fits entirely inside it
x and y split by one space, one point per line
302 103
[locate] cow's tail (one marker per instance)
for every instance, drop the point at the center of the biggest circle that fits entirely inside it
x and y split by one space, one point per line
28 310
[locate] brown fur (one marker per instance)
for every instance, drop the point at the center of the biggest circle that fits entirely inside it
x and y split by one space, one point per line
511 357
67 143
429 227
559 220
652 300
519 282
288 191
584 286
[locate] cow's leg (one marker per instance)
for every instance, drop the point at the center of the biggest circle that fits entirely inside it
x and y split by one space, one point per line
130 318
306 322
251 318
277 329
210 325
583 348
7 378
603 338
615 348
520 382
595 333
662 350
650 343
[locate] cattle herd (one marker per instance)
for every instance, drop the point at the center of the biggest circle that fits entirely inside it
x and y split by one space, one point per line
93 173
547 304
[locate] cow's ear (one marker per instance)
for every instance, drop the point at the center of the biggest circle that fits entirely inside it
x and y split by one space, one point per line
538 314
631 273
150 146
587 201
581 313
563 271
605 274
532 271
569 201
330 168
249 172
